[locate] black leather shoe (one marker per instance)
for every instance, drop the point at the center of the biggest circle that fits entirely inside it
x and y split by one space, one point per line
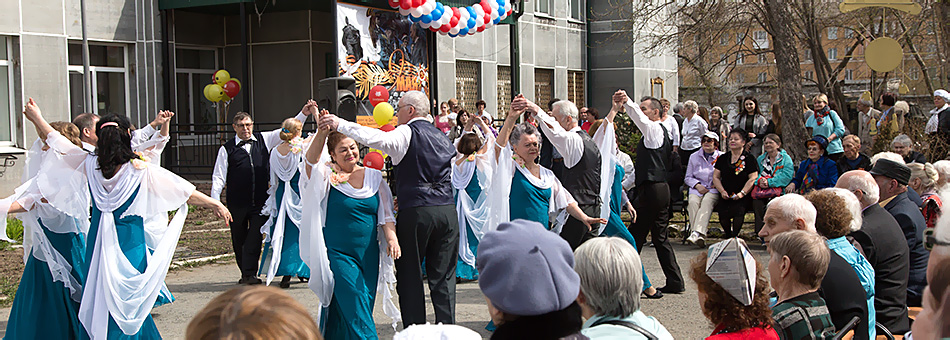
253 280
656 295
671 290
285 282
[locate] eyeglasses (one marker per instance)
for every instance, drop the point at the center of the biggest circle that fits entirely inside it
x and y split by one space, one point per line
402 106
930 241
709 140
244 125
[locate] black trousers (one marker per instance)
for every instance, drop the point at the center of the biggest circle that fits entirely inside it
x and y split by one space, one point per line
653 199
732 215
758 208
684 156
430 234
575 232
246 238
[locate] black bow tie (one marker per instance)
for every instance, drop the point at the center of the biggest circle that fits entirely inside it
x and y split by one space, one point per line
243 142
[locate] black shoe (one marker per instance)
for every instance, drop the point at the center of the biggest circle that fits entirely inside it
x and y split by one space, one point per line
303 279
285 282
656 295
671 290
252 280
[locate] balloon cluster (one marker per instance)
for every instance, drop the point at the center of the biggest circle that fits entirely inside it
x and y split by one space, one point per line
383 114
454 21
222 87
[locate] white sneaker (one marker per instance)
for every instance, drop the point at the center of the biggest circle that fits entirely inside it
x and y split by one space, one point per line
697 239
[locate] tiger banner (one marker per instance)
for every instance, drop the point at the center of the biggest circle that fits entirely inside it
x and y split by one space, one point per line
381 47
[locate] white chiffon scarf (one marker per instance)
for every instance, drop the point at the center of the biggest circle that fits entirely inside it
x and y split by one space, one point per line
313 249
472 214
606 140
500 192
282 169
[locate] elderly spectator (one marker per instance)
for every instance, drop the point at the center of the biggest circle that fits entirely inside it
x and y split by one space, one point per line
887 125
731 318
776 171
671 123
531 294
904 146
839 213
610 273
798 261
694 127
253 312
892 178
815 172
840 287
923 180
718 124
867 118
943 173
702 194
752 121
734 177
853 158
889 259
825 122
938 127
584 118
933 322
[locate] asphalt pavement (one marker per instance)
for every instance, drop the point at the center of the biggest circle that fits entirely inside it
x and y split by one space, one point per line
194 287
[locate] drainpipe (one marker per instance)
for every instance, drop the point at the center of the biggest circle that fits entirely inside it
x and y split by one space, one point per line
515 46
86 76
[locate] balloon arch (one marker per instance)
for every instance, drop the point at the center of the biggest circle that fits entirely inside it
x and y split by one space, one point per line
454 21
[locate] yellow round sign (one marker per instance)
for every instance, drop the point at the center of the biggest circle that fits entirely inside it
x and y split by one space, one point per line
883 54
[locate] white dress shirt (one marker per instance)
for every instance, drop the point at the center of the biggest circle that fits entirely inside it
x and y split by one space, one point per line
142 135
652 131
628 175
220 174
395 143
673 128
568 143
88 147
693 131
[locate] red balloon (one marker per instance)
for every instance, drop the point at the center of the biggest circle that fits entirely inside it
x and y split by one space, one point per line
231 88
434 29
456 16
387 127
394 4
405 4
373 160
486 7
487 19
445 28
418 3
481 28
378 94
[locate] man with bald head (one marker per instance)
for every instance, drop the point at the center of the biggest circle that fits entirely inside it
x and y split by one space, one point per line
890 259
427 224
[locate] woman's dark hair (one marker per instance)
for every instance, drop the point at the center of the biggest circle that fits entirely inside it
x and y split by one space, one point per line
742 133
756 111
115 144
459 115
553 325
721 308
333 139
469 143
593 113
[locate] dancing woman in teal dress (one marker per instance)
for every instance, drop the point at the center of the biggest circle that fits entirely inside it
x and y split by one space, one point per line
282 232
349 258
127 197
471 177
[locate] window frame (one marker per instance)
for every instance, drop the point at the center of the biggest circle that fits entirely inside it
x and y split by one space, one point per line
550 10
191 73
94 70
582 12
833 53
832 33
11 90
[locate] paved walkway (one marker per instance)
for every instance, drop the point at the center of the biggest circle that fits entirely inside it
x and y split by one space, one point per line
194 287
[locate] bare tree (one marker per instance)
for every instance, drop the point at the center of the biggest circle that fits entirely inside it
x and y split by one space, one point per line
789 69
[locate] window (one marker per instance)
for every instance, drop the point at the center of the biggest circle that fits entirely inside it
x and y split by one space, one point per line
108 65
914 73
807 55
848 74
739 38
763 58
194 67
739 58
762 77
724 39
848 33
504 91
546 7
761 40
809 75
833 53
466 83
575 87
7 101
832 33
740 78
577 9
543 86
931 48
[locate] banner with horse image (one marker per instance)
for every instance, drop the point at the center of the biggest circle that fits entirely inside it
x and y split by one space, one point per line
380 47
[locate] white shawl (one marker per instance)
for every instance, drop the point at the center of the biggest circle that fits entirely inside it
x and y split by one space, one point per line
500 191
472 213
606 140
282 168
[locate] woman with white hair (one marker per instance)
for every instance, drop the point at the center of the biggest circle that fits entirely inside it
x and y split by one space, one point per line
694 127
943 173
941 100
610 273
923 179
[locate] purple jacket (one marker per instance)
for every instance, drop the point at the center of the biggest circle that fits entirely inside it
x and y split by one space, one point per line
700 170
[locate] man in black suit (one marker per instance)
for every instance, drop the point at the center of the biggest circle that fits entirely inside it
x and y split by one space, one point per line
889 259
892 176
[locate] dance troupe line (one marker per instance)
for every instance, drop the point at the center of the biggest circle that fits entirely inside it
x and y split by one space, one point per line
101 238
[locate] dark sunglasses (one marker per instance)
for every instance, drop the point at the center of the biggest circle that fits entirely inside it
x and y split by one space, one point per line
930 240
708 140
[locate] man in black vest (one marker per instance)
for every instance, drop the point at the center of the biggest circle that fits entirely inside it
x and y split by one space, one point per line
652 174
581 161
243 166
427 224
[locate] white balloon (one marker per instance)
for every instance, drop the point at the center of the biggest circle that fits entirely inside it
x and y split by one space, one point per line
454 30
479 15
429 6
424 25
404 11
493 5
416 11
446 16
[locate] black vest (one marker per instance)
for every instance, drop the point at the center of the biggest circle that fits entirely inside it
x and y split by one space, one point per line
424 176
653 165
583 180
248 174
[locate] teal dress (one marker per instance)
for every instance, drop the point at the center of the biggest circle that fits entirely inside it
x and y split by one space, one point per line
42 308
462 269
290 262
353 251
131 234
528 202
615 226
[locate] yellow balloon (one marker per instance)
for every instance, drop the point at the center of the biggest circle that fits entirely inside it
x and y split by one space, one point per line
222 77
207 92
383 113
215 93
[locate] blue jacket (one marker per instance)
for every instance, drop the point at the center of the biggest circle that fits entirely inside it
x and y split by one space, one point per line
827 174
783 171
865 273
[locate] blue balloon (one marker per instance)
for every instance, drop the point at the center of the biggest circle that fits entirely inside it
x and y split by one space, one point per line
471 12
439 7
501 11
496 21
413 18
471 23
454 35
436 13
426 18
463 31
